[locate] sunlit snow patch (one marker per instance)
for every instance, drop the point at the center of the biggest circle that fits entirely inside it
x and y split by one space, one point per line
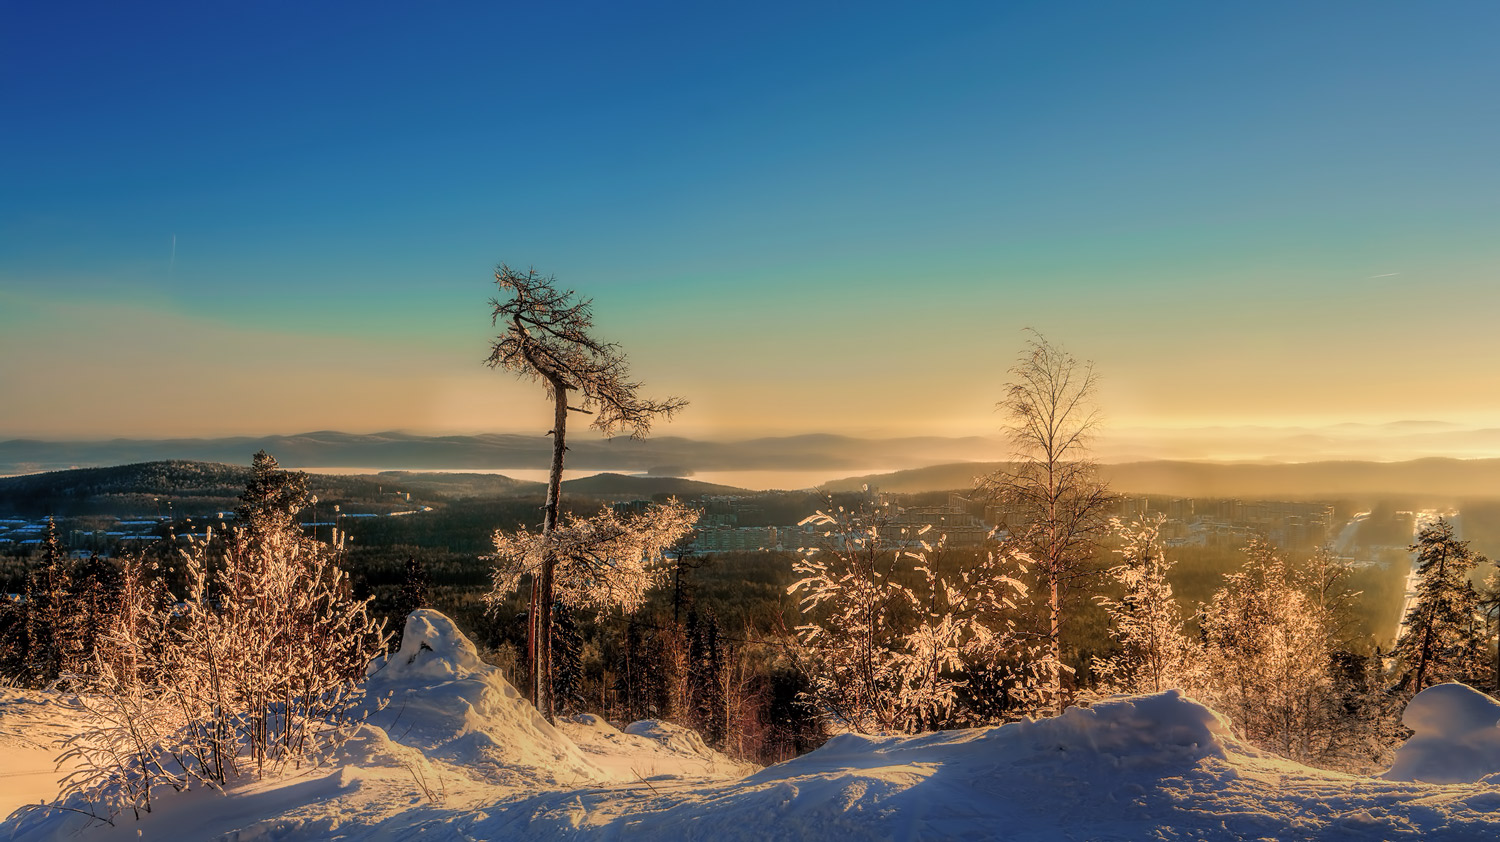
1456 737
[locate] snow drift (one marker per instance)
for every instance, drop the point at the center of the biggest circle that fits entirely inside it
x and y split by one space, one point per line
441 698
456 755
1455 739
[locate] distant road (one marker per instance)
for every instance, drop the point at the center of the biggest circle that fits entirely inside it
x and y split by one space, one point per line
1344 544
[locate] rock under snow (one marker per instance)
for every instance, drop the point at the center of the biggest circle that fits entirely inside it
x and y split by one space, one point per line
440 697
1456 737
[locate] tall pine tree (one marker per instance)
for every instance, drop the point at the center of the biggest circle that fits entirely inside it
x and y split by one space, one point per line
1442 640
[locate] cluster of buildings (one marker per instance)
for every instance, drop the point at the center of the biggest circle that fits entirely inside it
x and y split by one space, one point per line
904 526
1230 523
966 522
17 533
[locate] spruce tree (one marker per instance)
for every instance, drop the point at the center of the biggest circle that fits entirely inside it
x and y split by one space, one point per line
1441 641
567 659
272 497
95 600
51 624
414 588
705 679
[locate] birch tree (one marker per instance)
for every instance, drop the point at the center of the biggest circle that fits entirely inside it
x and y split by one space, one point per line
1056 505
548 338
1156 654
1268 652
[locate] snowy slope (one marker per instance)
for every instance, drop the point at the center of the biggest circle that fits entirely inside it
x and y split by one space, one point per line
457 755
30 729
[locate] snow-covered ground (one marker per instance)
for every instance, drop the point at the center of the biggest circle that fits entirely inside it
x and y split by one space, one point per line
458 755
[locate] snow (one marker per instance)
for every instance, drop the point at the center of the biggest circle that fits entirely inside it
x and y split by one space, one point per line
456 755
1456 737
441 698
30 729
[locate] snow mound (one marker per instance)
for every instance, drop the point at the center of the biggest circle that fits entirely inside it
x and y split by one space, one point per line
441 698
671 737
1456 737
650 750
432 647
32 729
1165 727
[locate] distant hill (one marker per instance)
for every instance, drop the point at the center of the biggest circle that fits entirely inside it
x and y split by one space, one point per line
1441 479
329 449
202 487
611 485
146 488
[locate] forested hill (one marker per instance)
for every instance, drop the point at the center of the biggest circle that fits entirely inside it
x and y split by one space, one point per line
195 488
661 455
147 488
1439 479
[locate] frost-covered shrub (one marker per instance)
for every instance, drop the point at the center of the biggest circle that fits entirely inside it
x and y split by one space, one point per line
254 670
1155 654
601 562
893 627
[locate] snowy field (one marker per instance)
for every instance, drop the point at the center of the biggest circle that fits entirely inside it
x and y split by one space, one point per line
458 755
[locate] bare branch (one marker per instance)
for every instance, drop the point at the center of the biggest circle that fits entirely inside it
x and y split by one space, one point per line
548 337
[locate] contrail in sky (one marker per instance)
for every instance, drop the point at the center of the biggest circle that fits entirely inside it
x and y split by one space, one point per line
1386 275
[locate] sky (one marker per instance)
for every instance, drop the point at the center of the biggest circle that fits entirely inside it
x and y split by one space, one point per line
267 218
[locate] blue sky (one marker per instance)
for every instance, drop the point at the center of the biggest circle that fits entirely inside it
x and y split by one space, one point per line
800 216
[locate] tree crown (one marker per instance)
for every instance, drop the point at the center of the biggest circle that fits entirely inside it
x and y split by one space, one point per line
549 337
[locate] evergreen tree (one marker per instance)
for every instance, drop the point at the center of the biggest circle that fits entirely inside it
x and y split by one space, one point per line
95 600
792 722
51 624
272 498
705 679
14 638
415 585
567 659
1442 639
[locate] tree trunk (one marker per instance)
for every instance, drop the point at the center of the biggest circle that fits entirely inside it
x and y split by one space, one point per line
544 701
1055 647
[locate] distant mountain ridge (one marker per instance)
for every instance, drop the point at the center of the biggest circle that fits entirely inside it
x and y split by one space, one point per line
1437 478
500 451
206 486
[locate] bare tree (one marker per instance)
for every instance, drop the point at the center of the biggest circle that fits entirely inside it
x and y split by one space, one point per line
548 336
1055 503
